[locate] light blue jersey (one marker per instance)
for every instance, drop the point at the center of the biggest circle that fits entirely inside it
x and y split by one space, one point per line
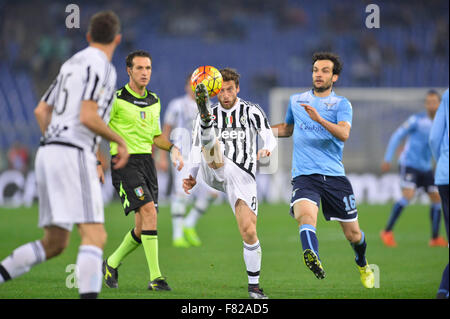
439 142
317 151
417 153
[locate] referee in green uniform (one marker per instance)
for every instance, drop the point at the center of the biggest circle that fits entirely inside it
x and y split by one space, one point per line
135 117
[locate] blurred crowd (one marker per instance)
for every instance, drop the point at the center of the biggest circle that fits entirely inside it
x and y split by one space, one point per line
412 40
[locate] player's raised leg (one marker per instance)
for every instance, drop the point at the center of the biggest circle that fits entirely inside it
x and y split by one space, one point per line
23 258
246 220
357 240
305 212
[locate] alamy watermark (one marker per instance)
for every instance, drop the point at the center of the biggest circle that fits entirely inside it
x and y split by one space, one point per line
73 19
71 279
373 19
376 273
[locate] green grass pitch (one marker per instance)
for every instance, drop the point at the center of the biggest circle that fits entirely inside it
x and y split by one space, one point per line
217 270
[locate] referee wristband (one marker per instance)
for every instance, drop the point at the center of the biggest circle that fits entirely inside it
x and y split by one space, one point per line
170 148
99 163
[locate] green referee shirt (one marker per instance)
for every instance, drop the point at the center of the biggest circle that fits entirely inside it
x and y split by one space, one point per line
136 119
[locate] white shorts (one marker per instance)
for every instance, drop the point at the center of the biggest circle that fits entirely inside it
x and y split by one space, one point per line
233 181
68 187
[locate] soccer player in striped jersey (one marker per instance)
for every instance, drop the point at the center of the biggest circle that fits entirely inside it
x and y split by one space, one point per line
320 121
416 169
225 150
178 124
72 116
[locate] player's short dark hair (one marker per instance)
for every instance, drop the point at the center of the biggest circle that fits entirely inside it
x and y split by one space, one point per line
229 74
434 92
104 26
337 64
132 55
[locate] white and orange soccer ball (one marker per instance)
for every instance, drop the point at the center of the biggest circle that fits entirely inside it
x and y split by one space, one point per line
209 76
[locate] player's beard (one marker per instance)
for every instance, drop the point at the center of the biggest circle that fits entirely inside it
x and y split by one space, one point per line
231 104
325 86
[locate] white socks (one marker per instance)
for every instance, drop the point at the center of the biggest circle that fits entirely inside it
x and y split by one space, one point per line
89 270
21 260
177 208
252 258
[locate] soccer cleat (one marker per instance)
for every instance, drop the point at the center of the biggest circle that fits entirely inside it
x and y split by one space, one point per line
110 274
438 242
160 284
388 238
313 263
366 275
191 236
256 293
180 243
203 103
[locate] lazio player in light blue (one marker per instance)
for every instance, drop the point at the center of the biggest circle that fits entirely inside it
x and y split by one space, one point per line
320 122
439 137
415 169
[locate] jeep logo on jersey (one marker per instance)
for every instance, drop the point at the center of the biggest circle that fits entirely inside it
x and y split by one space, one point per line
232 134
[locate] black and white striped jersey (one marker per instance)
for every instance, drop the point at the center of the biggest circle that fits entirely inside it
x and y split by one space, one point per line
237 130
87 75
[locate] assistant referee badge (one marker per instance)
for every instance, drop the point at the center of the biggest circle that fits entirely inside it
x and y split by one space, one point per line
143 115
139 193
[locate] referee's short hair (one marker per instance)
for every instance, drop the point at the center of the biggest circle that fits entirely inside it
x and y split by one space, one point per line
132 55
104 26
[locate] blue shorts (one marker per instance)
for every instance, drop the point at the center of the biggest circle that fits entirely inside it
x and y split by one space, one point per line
335 192
413 178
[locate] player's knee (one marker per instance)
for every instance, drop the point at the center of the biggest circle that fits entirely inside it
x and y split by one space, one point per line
249 234
353 236
101 238
53 247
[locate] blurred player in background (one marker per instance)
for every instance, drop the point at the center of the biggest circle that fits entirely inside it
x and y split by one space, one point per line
320 123
415 169
439 139
178 124
135 117
72 115
225 134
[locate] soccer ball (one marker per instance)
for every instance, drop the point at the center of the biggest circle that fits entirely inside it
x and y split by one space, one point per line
209 76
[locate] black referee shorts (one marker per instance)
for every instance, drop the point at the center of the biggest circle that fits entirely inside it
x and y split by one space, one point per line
136 183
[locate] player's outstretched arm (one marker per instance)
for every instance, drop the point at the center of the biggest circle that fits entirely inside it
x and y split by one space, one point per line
90 118
43 114
283 130
341 130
